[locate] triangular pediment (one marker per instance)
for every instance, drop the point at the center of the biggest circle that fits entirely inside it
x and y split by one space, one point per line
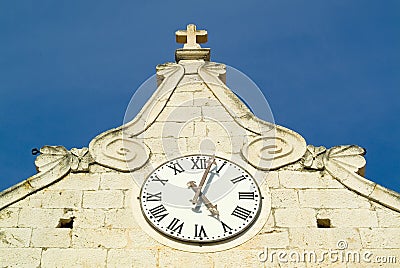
193 111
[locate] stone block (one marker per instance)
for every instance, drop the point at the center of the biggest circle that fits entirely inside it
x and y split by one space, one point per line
211 144
116 181
380 237
132 258
56 199
51 237
40 217
155 131
282 198
162 130
186 130
98 169
137 239
88 218
332 198
179 114
307 180
224 144
155 161
168 146
272 179
77 181
272 238
324 238
21 203
239 258
200 129
129 197
15 237
203 93
99 238
205 98
205 102
217 113
295 217
69 257
181 99
120 218
388 217
237 143
103 199
9 217
173 258
270 224
20 257
349 217
224 129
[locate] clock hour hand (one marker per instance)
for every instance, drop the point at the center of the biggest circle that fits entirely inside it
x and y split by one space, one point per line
203 180
212 208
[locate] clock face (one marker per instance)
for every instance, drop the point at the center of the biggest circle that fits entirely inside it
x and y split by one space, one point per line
200 198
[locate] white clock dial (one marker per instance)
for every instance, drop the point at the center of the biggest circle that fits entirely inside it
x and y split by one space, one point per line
200 199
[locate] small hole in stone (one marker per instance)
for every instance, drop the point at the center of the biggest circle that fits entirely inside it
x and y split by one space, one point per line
323 223
66 223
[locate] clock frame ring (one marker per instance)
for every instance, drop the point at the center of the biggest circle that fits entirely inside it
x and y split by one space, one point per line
200 246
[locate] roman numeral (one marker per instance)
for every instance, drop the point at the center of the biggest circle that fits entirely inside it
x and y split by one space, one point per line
156 178
246 195
173 226
240 178
176 167
241 213
219 169
153 197
226 227
199 232
199 163
158 211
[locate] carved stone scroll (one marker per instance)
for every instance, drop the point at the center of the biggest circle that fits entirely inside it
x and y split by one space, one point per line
119 151
280 148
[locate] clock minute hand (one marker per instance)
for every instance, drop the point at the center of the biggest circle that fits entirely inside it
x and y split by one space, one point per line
212 208
203 179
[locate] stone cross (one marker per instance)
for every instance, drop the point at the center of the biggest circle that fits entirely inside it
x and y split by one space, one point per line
191 38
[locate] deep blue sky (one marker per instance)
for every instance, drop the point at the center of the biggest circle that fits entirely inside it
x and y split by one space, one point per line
329 69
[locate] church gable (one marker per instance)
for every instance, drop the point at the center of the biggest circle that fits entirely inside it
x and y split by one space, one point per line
195 161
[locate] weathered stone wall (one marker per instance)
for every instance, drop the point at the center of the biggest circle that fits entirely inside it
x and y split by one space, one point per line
105 233
87 219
